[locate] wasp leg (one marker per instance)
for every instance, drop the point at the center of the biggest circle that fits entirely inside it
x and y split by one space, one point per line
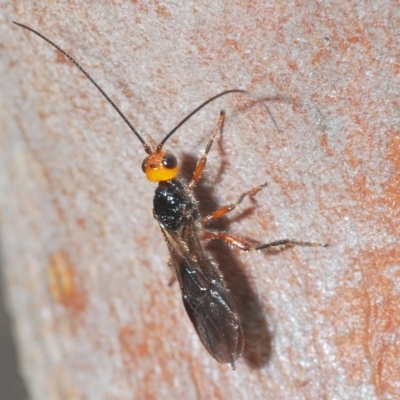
172 280
201 164
225 210
247 245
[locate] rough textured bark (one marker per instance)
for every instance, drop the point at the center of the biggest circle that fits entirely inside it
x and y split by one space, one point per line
85 263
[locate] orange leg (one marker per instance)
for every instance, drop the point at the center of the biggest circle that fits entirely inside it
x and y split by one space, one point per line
247 245
201 164
225 210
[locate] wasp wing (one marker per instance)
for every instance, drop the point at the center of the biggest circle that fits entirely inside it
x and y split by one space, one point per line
206 298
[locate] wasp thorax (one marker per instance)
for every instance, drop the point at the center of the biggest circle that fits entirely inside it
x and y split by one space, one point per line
160 166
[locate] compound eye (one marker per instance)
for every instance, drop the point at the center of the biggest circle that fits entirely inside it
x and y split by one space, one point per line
169 161
144 164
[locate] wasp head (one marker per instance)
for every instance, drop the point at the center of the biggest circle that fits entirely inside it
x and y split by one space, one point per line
160 166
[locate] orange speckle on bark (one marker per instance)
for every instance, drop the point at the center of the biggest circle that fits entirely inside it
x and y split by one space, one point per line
131 348
233 43
319 57
162 12
81 223
293 65
370 337
391 190
326 146
43 115
137 349
62 282
60 59
394 150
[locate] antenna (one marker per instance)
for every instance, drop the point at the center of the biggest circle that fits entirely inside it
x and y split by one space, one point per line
159 147
145 145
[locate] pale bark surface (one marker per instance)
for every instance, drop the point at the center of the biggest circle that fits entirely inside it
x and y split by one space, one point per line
85 262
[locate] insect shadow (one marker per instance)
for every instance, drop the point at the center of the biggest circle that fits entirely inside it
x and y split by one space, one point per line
257 335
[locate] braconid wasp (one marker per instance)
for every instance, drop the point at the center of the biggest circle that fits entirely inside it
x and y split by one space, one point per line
206 298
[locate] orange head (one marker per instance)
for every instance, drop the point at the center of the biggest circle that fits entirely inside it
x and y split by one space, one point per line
160 166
